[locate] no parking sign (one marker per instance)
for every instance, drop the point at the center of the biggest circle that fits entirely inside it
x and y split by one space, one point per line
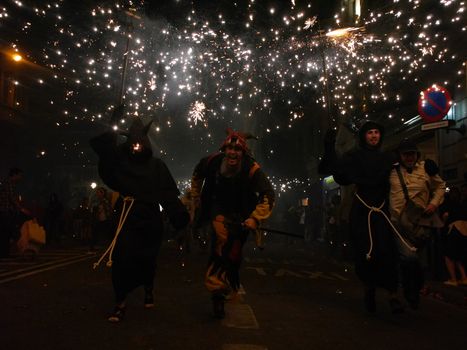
434 104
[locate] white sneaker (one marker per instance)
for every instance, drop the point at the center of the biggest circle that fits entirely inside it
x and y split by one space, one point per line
451 283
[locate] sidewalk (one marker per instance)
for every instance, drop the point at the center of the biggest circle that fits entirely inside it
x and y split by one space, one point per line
436 289
450 294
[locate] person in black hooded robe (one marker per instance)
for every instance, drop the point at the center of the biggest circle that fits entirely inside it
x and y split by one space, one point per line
375 250
144 182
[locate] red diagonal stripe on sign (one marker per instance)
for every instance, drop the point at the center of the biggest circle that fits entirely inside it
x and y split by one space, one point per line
433 103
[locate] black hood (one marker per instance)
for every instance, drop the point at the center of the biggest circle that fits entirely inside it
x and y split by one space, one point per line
138 133
368 125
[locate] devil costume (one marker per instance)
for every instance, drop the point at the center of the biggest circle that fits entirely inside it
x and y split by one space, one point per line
226 202
144 183
372 237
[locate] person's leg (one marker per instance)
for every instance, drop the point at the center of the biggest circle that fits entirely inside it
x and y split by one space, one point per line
149 275
120 286
451 267
461 269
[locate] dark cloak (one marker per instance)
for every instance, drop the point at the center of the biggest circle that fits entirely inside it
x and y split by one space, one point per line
149 182
368 168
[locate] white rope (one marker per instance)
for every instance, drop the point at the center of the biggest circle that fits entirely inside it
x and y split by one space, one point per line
121 221
378 210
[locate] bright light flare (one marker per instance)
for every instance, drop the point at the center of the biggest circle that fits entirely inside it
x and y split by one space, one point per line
17 57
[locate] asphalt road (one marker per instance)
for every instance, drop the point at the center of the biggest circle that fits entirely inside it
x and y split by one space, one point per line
294 299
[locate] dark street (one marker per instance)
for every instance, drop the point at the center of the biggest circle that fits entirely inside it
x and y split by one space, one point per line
295 298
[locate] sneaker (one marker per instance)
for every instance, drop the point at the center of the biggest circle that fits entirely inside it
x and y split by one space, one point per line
148 301
117 314
395 306
462 282
451 283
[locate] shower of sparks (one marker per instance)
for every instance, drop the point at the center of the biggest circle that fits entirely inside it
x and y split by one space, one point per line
289 62
196 113
310 22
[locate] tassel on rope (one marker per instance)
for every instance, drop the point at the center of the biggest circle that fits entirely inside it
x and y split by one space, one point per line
123 215
379 210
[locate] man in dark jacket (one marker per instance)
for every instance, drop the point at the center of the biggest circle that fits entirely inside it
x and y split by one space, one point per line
144 183
373 240
235 196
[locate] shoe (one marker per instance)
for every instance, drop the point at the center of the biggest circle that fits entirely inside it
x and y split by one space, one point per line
117 314
462 282
369 299
451 283
148 301
395 306
218 307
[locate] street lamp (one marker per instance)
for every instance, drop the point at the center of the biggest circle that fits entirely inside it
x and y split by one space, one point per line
17 57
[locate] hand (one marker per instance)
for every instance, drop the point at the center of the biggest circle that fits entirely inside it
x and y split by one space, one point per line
430 209
250 223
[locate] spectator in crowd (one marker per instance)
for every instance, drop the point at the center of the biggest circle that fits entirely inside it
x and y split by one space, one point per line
454 213
10 210
417 181
82 223
102 215
53 219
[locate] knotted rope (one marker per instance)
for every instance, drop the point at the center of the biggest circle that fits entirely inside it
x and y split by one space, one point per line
123 215
379 210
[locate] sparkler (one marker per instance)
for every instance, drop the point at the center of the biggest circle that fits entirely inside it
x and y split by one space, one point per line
197 112
246 74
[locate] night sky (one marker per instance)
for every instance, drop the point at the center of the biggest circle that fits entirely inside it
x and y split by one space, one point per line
198 67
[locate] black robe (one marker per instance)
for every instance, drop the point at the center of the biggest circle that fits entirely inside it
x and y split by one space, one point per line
369 169
149 182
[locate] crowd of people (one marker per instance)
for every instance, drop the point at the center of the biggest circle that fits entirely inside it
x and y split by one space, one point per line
400 203
88 224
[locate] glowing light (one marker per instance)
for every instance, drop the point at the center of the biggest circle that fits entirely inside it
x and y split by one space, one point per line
17 57
342 32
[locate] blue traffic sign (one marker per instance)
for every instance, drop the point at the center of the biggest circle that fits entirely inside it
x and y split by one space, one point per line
434 104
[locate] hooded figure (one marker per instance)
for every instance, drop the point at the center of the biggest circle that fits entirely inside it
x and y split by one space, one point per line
144 184
235 196
372 237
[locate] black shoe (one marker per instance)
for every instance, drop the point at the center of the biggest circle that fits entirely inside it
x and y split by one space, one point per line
369 299
117 314
148 301
218 307
396 306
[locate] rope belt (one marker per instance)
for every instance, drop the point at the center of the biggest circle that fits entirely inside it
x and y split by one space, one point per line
379 210
127 204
